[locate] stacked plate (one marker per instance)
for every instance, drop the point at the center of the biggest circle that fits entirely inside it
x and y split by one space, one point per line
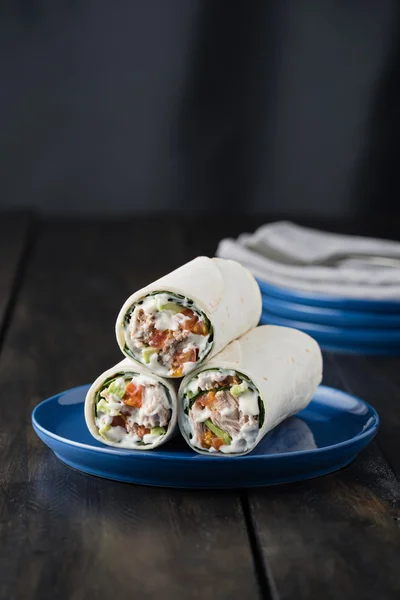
337 323
343 290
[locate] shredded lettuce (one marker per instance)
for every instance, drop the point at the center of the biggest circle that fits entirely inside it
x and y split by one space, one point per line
103 430
109 408
238 389
103 406
225 437
261 416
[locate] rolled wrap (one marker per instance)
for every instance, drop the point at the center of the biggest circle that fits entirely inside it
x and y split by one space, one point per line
128 367
224 291
285 366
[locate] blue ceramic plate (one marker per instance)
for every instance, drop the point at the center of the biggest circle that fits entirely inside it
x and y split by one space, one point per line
366 350
330 316
341 336
325 301
324 437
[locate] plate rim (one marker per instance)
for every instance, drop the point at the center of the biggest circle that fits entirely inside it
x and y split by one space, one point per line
325 313
369 433
320 299
376 334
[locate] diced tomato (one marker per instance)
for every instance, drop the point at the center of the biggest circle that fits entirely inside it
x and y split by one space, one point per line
142 430
132 401
190 320
216 443
206 439
133 395
188 356
177 372
193 323
159 338
131 388
181 359
200 328
206 399
118 421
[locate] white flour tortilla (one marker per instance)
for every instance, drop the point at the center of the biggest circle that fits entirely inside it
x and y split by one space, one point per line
225 291
284 364
127 366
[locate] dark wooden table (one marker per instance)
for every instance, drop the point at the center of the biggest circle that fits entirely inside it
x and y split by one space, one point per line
68 536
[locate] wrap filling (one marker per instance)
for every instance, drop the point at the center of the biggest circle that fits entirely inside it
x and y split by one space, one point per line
132 409
223 411
168 333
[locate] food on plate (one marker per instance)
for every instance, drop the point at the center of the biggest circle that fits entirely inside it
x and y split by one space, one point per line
176 323
129 407
228 405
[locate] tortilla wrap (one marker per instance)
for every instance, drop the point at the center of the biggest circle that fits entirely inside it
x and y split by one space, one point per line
115 416
174 324
279 369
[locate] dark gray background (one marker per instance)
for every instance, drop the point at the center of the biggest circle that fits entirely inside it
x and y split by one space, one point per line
288 107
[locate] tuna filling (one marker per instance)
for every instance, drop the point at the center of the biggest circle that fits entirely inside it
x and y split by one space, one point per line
132 409
167 333
223 411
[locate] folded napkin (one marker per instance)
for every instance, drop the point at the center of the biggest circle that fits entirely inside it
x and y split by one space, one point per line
290 256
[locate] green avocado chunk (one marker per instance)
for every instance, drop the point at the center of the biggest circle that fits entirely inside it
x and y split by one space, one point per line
172 306
158 430
147 353
225 437
117 388
236 390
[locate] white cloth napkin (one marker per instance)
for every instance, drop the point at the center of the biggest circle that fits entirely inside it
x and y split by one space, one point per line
288 255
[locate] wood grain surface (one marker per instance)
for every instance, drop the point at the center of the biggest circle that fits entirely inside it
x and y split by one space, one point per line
365 377
335 537
14 244
61 530
70 536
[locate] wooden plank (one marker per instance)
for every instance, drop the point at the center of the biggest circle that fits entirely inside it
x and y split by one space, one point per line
66 535
378 386
335 537
13 243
